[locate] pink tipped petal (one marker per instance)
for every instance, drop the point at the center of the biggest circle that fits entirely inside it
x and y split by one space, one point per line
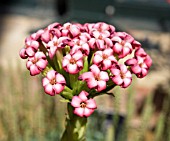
95 69
74 31
101 85
144 72
97 59
108 42
22 53
140 52
88 112
130 62
45 81
91 104
128 74
78 55
91 83
123 68
29 64
72 68
103 76
30 51
148 61
108 51
117 39
117 48
65 62
51 75
60 79
106 64
86 75
126 82
45 36
136 69
79 112
92 42
34 70
100 44
49 89
83 95
126 51
80 64
76 101
41 64
115 71
117 80
58 88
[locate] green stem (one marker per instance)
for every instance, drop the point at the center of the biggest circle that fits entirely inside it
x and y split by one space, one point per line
75 127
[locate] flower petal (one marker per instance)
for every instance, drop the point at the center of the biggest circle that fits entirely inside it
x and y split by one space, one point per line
76 101
88 112
95 70
126 82
79 111
72 68
101 85
51 74
91 104
34 70
45 81
117 80
49 89
58 88
104 76
83 95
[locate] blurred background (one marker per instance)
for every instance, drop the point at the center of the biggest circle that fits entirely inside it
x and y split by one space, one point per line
139 113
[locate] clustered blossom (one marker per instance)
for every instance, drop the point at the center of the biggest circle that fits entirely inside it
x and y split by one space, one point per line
84 58
84 107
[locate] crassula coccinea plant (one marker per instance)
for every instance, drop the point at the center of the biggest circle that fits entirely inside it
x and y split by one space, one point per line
80 62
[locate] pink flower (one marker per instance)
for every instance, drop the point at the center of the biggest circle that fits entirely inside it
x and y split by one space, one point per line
100 40
56 43
121 75
73 63
37 63
70 30
53 83
84 107
95 78
80 45
31 47
105 58
122 44
51 31
140 64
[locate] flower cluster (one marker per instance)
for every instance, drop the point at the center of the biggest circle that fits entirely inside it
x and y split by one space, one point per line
80 61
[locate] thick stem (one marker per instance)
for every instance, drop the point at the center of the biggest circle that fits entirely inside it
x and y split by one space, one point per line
75 127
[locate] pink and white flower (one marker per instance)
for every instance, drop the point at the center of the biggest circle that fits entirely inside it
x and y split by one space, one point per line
121 75
70 30
80 45
55 44
140 64
73 63
122 44
100 40
53 83
84 107
37 63
31 47
95 78
51 31
104 59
